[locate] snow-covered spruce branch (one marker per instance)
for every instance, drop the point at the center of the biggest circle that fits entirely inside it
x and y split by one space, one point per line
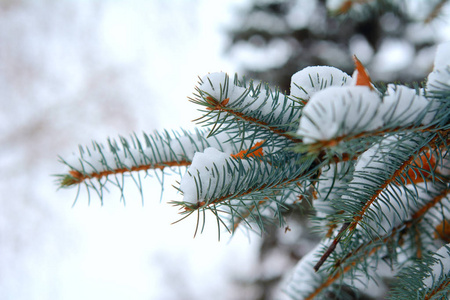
376 170
99 165
253 103
373 162
247 110
423 217
263 186
427 278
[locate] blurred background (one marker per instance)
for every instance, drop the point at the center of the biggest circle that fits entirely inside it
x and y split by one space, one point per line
76 71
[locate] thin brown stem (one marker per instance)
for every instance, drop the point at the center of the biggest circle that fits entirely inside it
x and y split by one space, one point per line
223 108
438 289
77 177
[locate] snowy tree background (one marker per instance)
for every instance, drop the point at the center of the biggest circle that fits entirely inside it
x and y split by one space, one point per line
76 71
274 39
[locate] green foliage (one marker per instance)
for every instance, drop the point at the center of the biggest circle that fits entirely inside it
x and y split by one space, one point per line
410 279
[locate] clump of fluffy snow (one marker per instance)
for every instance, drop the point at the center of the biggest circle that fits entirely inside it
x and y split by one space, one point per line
185 146
337 111
220 87
376 158
439 79
203 175
440 268
305 83
211 175
442 57
266 103
404 106
331 181
387 213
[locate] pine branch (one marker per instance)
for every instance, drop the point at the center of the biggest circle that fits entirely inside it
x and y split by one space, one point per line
374 164
243 107
259 183
98 165
364 250
220 107
350 226
426 278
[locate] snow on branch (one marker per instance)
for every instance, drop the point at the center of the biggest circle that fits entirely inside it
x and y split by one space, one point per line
310 80
347 260
370 196
241 107
439 79
217 178
373 162
336 113
98 165
439 273
428 278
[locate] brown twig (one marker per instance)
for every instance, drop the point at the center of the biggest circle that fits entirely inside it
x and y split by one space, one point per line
77 177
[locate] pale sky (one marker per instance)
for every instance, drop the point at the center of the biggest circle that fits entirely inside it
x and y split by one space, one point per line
90 251
127 253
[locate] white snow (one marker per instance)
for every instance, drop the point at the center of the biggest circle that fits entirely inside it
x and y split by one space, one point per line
441 267
185 146
403 106
205 174
99 160
331 180
224 142
387 213
335 108
176 147
442 57
444 167
437 213
220 87
374 159
439 79
209 174
267 103
337 111
308 81
395 204
303 279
